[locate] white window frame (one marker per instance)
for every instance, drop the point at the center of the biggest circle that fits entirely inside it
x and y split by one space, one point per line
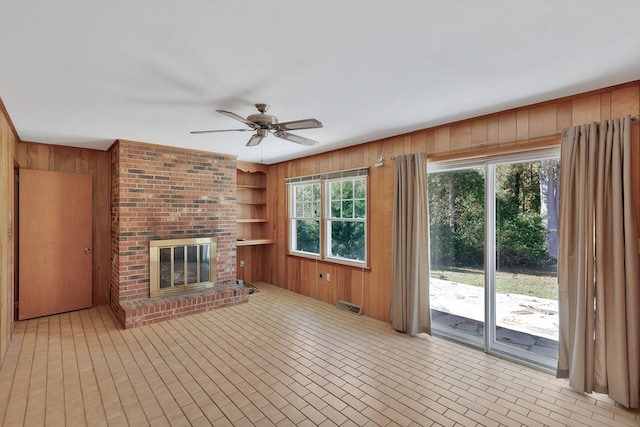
329 219
294 218
325 181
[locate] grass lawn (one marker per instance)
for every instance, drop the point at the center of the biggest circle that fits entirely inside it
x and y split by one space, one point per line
541 284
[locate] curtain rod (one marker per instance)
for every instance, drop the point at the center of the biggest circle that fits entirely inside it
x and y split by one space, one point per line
513 139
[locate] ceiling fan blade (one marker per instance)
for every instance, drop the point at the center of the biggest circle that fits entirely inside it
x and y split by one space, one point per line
220 130
295 138
299 124
238 118
255 140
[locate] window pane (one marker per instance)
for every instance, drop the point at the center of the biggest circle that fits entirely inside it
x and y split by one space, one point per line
347 240
308 210
359 189
456 221
308 236
307 201
336 192
526 282
336 210
347 209
360 208
347 189
300 192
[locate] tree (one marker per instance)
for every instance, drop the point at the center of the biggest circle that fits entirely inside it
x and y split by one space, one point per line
456 217
549 202
520 230
523 215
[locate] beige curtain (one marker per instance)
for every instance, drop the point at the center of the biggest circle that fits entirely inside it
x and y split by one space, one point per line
410 311
599 343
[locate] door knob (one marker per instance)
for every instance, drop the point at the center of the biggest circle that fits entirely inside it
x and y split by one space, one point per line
87 251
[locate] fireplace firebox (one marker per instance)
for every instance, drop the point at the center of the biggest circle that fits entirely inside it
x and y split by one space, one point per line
180 265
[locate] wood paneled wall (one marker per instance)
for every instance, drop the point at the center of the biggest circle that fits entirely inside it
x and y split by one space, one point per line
515 130
369 287
8 144
98 164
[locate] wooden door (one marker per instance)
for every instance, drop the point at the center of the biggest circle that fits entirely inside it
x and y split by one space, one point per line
55 243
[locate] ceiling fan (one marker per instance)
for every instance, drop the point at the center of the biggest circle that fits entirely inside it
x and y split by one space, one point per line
263 123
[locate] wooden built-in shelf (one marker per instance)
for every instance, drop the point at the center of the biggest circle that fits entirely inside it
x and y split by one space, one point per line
254 242
254 229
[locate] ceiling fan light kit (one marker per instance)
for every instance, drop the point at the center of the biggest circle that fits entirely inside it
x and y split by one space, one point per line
263 124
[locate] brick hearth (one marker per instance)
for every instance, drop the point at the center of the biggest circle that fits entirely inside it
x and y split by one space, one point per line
168 193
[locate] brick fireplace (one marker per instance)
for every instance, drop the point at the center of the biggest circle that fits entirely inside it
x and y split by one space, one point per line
160 193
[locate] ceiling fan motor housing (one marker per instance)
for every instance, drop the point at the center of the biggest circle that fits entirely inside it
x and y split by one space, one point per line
265 121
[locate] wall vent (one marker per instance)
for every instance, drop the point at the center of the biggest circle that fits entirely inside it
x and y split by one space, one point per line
349 307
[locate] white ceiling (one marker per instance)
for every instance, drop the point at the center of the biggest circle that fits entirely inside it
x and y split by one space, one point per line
84 73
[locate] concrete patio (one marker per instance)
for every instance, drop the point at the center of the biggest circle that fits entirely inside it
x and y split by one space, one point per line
523 321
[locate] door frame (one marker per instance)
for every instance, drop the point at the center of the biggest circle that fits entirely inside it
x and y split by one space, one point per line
16 239
489 344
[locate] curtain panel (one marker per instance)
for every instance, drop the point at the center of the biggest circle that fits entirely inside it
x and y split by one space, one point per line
410 309
599 289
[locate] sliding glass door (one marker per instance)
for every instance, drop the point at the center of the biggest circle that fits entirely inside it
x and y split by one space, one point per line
457 235
523 292
493 235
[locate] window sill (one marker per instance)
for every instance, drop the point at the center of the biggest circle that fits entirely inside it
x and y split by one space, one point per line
330 261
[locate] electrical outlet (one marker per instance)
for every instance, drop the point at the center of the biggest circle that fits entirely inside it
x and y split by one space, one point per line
242 263
328 277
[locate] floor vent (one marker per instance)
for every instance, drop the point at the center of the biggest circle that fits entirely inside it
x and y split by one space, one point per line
349 307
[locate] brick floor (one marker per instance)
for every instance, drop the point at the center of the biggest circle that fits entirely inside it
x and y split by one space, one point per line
282 359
